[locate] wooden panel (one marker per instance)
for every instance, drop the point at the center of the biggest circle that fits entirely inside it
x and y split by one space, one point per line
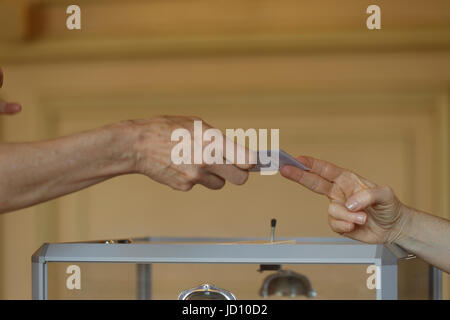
159 17
117 29
14 21
327 73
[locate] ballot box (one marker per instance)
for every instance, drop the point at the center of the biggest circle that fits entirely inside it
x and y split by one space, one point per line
244 268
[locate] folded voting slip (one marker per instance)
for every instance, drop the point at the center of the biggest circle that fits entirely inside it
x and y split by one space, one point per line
269 159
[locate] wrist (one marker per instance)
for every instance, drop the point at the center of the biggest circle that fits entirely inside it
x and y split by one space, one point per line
124 136
402 228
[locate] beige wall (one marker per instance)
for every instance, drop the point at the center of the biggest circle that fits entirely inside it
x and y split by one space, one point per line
376 102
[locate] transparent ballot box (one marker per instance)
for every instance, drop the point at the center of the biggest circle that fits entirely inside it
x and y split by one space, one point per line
212 268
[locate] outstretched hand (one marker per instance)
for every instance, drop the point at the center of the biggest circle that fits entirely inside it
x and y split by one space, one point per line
153 153
358 209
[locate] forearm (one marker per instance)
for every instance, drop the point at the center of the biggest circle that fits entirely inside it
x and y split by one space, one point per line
428 237
34 172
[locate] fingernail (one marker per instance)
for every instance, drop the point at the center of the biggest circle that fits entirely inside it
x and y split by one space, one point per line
353 205
360 218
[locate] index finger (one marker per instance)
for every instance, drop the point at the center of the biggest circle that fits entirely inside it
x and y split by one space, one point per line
322 168
310 180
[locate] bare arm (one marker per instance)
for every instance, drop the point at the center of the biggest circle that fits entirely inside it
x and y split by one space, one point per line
361 210
39 171
428 237
34 172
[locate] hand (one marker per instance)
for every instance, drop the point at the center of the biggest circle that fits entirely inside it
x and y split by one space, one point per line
8 107
153 156
358 209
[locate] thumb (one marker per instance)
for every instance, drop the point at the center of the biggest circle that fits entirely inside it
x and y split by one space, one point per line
369 197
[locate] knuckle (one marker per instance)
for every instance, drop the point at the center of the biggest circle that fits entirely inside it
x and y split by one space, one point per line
388 190
368 194
242 178
316 185
332 209
346 227
220 185
332 222
347 175
352 175
185 187
193 176
336 228
333 227
326 169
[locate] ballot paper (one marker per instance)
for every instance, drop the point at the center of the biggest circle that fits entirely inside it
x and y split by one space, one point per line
269 159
